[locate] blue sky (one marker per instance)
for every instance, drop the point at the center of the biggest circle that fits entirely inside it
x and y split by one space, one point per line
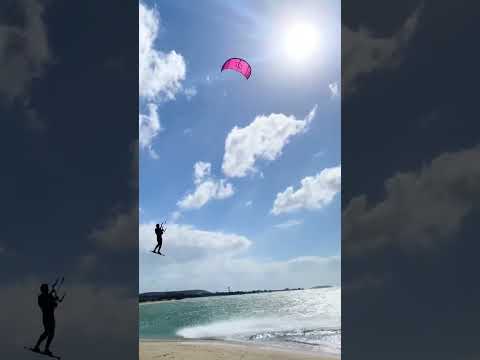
236 222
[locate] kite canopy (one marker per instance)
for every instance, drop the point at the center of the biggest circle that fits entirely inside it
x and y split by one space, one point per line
238 65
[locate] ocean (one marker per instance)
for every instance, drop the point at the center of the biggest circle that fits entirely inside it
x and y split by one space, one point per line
304 319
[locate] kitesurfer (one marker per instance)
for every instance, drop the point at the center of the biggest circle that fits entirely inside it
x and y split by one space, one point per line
159 230
48 301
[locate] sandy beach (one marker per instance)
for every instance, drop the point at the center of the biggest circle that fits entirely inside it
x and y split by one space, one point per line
217 350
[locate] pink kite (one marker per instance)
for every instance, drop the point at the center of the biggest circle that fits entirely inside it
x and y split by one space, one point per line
238 65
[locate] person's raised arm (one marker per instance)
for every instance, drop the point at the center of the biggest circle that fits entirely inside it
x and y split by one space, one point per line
61 299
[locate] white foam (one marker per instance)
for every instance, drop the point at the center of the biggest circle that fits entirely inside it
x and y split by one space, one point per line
269 329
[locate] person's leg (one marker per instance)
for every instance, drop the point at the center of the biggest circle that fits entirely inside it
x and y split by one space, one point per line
159 245
44 334
156 247
51 334
40 340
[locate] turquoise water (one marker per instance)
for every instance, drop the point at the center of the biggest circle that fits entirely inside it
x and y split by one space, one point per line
306 319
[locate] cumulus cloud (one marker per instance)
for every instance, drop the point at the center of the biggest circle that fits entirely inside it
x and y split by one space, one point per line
420 209
149 127
206 191
362 52
207 188
249 203
211 260
244 273
315 192
160 74
263 139
288 224
201 170
185 242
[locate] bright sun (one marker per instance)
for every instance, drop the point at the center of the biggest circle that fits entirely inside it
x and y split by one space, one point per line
301 41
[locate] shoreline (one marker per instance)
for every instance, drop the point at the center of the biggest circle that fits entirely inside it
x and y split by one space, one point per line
222 294
203 349
157 301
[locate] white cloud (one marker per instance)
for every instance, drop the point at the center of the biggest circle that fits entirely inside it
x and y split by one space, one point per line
206 191
249 203
207 188
364 53
289 223
201 170
149 127
190 92
183 243
315 192
319 154
333 89
187 131
211 260
214 273
263 139
160 74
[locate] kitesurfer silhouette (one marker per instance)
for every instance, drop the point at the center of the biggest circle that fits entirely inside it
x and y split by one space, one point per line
159 230
48 301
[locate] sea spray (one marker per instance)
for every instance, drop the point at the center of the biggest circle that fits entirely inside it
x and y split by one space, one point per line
309 319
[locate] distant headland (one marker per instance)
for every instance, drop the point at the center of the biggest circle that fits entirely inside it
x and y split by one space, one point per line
185 294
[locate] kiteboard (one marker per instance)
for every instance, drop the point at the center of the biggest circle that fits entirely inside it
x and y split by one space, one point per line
158 253
42 353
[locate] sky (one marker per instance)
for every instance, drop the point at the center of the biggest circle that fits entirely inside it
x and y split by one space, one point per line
245 172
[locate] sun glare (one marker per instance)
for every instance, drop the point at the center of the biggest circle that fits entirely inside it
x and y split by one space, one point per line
301 42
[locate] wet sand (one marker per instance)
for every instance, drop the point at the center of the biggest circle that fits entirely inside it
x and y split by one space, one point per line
218 350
